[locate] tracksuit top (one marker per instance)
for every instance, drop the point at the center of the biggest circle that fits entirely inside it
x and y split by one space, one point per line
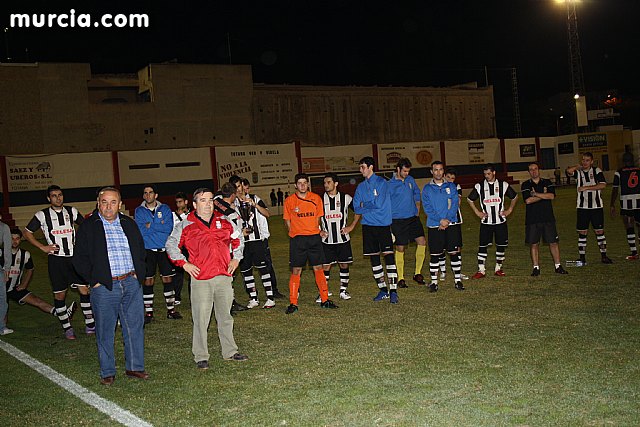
372 201
440 202
404 196
161 219
209 246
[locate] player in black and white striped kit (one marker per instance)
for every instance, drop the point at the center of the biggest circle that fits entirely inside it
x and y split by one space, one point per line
336 242
255 246
20 275
590 182
625 183
57 224
491 193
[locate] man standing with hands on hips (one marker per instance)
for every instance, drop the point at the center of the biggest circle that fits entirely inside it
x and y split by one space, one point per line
110 256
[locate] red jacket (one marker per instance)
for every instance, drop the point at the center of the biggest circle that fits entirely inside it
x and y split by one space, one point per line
209 247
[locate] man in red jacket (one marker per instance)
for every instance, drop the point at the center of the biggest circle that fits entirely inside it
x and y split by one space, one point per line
215 250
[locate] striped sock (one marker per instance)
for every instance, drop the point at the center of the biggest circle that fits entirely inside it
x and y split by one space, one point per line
85 305
344 279
250 284
602 243
456 266
392 272
169 296
147 295
61 314
582 245
482 258
631 240
266 282
378 272
434 265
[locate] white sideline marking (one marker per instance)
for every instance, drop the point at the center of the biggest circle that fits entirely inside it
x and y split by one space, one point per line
101 404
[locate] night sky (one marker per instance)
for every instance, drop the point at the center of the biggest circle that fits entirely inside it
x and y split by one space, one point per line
404 43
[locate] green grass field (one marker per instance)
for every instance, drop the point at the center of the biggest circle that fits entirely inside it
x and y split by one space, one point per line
551 350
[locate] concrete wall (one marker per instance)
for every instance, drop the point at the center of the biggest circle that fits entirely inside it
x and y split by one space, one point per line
370 115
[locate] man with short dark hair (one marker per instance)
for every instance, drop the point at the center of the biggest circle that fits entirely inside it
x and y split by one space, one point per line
540 222
57 224
111 258
625 183
303 212
255 245
440 202
336 242
405 208
155 221
373 203
181 212
491 193
590 182
215 250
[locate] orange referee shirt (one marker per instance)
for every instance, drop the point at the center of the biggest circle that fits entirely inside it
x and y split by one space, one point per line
303 214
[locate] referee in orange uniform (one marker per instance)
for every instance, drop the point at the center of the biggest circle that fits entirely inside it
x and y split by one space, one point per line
303 211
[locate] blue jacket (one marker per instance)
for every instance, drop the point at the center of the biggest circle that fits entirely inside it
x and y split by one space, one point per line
440 202
372 201
161 225
404 196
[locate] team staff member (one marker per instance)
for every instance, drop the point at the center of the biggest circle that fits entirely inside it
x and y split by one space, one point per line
491 193
208 235
590 182
111 258
625 182
57 224
155 221
537 194
440 202
302 214
373 204
405 208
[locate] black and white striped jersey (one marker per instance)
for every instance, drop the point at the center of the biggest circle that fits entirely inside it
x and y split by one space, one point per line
491 196
459 214
336 215
627 180
57 227
20 261
587 178
178 217
257 221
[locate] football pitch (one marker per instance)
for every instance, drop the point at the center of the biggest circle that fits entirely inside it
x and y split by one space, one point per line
517 350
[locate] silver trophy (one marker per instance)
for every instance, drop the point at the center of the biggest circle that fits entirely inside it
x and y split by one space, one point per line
246 211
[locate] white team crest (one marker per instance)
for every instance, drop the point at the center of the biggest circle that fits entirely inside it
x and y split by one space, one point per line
218 225
160 215
296 209
448 190
375 192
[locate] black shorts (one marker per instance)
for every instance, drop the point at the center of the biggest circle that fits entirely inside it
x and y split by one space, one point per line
18 296
499 231
254 255
158 259
546 230
305 248
62 274
406 230
633 213
595 217
337 253
441 240
376 240
456 230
